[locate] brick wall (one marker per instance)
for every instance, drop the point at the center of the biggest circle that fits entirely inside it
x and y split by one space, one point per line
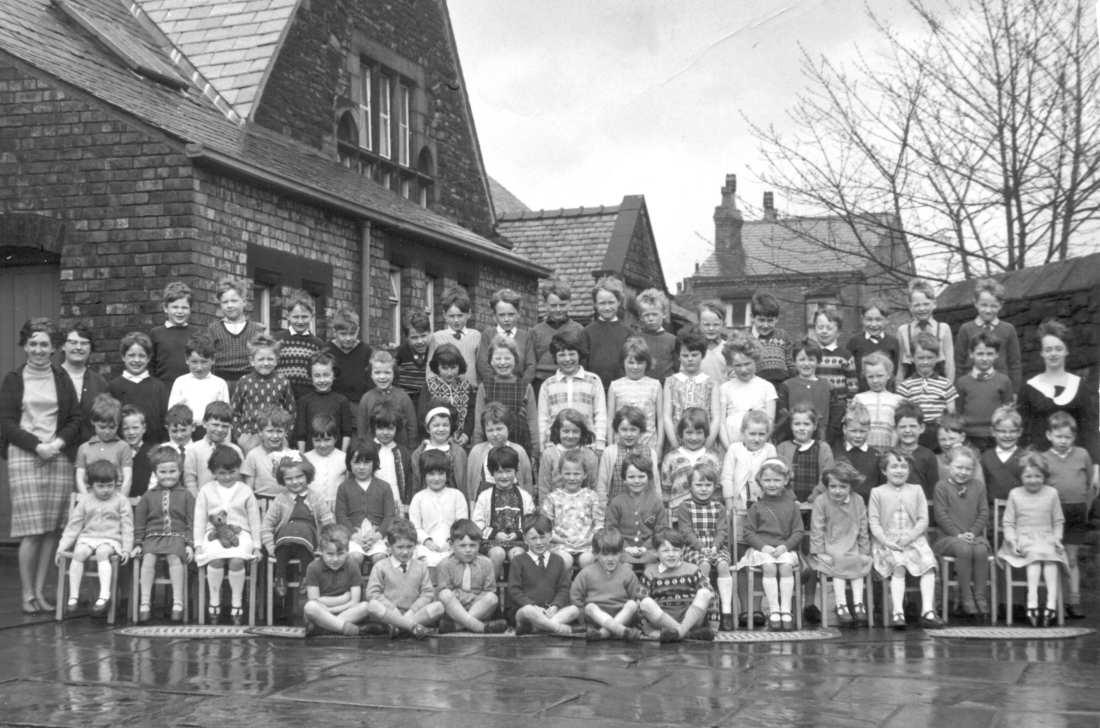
310 75
121 189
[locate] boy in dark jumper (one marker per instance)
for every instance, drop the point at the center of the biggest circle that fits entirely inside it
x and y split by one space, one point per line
538 584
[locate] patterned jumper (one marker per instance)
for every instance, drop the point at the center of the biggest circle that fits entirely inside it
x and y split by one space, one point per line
294 354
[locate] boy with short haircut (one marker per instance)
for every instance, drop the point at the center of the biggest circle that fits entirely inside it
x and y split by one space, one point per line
466 581
333 587
952 434
138 387
1072 474
538 584
607 589
132 432
505 305
804 388
217 420
982 390
497 422
776 346
874 337
572 387
456 312
297 344
922 304
170 339
855 450
399 590
555 296
677 592
932 392
989 296
1001 464
179 420
382 372
412 355
323 400
258 470
653 311
351 356
259 390
836 366
105 444
909 425
198 387
499 510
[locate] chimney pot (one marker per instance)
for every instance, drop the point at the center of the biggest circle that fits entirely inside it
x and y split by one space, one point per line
769 206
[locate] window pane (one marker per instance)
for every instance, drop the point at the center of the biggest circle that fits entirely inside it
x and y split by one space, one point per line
385 129
366 123
404 132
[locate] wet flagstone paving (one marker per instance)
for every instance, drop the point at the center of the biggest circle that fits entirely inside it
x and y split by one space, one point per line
78 673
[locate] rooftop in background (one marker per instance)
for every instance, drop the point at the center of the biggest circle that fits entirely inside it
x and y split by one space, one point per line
504 202
1074 274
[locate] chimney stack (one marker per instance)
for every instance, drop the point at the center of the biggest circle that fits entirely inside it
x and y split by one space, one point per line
728 223
769 206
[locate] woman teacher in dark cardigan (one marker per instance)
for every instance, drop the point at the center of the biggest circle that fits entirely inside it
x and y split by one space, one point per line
76 348
1056 389
40 428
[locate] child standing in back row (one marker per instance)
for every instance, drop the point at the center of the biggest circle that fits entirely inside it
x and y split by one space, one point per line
691 387
989 296
639 389
605 336
135 386
261 388
776 345
170 340
922 304
652 312
351 356
298 344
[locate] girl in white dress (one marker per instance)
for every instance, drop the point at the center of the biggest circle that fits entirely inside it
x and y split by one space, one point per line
1032 537
229 500
639 389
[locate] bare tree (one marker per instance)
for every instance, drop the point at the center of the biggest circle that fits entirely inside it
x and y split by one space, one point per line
979 140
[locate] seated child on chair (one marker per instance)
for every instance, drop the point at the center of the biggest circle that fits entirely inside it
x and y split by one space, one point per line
773 532
435 508
576 512
538 583
163 527
705 523
1033 524
467 584
840 546
499 510
294 519
101 524
962 514
677 592
606 591
637 512
364 503
333 587
399 591
897 515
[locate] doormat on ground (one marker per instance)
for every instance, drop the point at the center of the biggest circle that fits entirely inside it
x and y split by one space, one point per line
1009 633
196 631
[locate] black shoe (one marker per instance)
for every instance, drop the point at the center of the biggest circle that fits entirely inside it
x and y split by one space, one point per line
594 635
1073 611
929 620
811 614
703 634
496 626
312 629
1035 616
726 623
578 630
670 635
523 628
447 625
630 634
1049 617
373 628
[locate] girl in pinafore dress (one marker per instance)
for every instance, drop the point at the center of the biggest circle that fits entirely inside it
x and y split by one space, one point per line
773 532
228 498
840 546
506 386
163 527
1032 538
639 389
292 525
898 517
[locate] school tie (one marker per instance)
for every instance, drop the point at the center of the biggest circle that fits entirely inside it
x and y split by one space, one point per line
542 561
404 568
510 333
456 334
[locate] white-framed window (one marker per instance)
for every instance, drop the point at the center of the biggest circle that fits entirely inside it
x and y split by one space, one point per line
395 304
404 128
425 194
385 120
262 298
406 188
814 302
429 300
366 116
738 313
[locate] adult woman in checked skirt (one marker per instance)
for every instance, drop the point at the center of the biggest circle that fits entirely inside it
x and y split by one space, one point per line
39 428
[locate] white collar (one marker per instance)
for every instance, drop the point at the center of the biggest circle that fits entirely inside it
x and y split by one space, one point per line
995 322
429 445
804 446
661 568
503 332
397 564
861 448
136 378
170 325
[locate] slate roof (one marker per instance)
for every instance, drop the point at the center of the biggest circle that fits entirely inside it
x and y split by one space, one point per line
40 35
210 34
570 242
504 202
790 246
1073 274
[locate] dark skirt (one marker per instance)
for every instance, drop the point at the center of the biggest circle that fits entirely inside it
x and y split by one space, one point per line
165 544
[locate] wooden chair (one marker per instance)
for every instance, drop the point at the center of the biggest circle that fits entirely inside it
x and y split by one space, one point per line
251 571
292 589
824 583
946 582
1011 582
63 578
752 592
160 579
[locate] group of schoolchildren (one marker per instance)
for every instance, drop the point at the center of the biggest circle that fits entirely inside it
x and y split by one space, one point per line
601 473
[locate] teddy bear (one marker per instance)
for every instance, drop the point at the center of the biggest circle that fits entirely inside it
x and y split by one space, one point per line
223 532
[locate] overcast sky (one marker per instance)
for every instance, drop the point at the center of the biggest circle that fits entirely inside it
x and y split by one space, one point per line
580 102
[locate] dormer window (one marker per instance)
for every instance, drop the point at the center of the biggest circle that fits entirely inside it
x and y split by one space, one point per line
388 112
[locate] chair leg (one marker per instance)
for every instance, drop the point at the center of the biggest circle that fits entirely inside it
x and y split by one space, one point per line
201 586
993 590
1008 595
253 572
749 590
62 577
799 601
945 587
869 599
822 589
270 593
135 577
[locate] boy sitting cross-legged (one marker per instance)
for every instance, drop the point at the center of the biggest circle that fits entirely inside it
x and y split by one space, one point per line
606 590
538 584
333 587
467 584
678 593
399 590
